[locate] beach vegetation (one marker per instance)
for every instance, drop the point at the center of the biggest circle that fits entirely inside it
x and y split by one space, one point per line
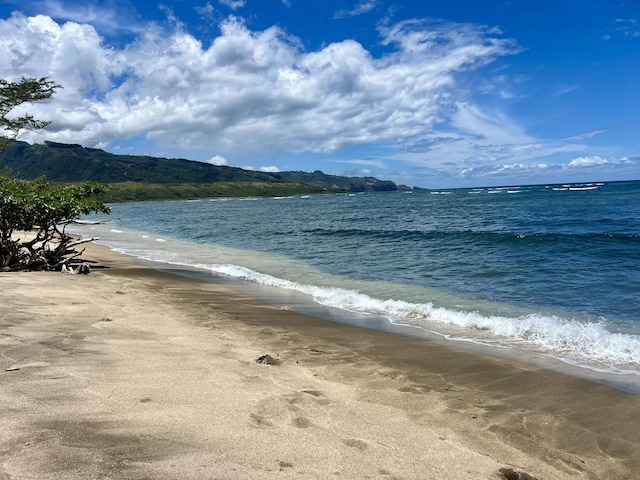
34 213
33 218
13 97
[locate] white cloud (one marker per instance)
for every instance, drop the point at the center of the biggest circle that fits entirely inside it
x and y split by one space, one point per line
365 6
253 91
71 54
217 160
630 27
271 169
370 163
104 17
493 127
565 90
579 169
233 4
504 170
205 11
587 161
587 135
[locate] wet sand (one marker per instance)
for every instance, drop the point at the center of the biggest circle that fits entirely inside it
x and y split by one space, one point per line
132 373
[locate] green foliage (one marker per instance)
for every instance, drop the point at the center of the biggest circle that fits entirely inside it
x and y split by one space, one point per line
74 163
43 211
25 205
135 191
35 210
15 94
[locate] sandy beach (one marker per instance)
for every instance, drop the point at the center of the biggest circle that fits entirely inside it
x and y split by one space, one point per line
132 373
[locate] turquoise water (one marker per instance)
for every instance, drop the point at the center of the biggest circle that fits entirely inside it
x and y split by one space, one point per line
548 269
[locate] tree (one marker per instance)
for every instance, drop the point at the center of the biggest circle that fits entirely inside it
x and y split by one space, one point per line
34 214
33 217
15 94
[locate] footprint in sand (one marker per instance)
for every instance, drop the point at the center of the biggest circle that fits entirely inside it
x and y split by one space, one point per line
301 422
355 443
294 408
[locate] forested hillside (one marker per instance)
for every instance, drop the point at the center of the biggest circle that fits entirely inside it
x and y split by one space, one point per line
134 175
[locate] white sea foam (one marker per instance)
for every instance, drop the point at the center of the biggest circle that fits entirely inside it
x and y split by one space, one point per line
575 342
581 189
586 344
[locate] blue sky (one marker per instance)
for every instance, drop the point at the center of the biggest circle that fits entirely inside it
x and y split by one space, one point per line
436 94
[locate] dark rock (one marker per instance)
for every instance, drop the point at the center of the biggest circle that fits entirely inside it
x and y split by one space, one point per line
268 360
511 474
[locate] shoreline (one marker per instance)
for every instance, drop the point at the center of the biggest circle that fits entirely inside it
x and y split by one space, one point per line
136 373
447 335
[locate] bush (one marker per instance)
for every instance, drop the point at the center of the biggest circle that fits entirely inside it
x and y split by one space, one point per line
33 217
36 210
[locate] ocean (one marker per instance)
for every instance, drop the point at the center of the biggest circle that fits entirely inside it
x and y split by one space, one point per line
548 274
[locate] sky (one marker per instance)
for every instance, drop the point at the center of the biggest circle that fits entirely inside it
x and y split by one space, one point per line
428 93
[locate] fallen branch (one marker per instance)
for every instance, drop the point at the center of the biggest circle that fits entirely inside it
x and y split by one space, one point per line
80 242
66 261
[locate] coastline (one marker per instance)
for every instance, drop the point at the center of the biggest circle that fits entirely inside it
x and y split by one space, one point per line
135 373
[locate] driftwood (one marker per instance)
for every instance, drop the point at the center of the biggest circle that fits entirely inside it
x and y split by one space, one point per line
44 247
82 269
51 250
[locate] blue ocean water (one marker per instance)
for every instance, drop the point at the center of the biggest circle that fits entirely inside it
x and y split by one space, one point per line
549 269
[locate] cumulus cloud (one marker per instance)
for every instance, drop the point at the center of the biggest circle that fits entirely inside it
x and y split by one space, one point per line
217 160
587 161
271 169
72 54
254 91
579 169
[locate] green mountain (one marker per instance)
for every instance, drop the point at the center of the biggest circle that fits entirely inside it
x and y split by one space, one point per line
143 177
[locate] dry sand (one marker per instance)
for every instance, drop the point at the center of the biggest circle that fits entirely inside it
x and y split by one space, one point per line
130 373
